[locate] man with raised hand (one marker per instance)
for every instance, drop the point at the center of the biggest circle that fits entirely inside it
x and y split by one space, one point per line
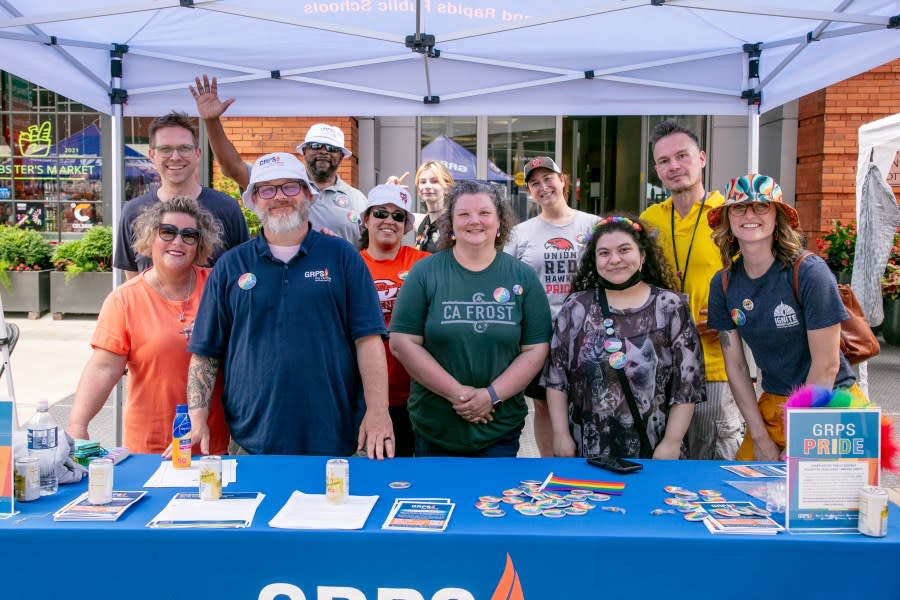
339 205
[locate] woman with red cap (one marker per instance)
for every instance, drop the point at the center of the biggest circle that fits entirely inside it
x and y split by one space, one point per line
794 337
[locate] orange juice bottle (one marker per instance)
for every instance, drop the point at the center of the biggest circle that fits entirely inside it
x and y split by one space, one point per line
181 438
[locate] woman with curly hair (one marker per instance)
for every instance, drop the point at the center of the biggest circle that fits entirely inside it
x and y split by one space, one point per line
145 325
626 364
471 326
793 333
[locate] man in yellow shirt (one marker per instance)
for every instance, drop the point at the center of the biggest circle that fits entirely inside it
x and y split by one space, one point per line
686 240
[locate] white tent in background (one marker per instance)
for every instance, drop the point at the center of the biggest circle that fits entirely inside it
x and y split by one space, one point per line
879 142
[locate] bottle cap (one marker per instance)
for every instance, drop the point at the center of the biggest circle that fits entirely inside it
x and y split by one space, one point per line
181 408
42 404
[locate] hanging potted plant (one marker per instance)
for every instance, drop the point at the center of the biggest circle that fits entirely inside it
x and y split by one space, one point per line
24 274
838 247
83 274
890 292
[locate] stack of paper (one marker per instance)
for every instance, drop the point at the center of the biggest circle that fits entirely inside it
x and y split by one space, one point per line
738 518
80 509
313 511
168 476
420 514
231 511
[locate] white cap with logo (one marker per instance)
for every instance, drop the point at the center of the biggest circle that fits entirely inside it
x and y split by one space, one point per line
324 133
277 165
392 194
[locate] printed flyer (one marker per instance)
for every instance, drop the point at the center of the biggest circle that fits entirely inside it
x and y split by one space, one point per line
7 506
831 454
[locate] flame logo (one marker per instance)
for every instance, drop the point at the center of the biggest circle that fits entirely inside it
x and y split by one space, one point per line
509 588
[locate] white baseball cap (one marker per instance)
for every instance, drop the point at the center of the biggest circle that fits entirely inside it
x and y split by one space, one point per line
324 133
277 165
392 194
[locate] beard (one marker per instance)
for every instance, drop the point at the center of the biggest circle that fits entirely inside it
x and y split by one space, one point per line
319 172
285 223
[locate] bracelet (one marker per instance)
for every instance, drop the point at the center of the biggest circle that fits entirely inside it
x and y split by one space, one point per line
495 399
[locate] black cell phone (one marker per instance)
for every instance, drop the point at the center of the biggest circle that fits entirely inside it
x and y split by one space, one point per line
617 465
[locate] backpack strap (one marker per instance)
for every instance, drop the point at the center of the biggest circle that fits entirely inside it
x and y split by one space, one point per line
796 286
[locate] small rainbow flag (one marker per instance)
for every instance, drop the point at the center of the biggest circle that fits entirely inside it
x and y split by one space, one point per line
613 488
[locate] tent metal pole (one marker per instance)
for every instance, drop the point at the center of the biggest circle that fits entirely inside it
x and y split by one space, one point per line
753 8
105 11
752 139
117 174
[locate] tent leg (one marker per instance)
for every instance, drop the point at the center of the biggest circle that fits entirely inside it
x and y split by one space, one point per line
752 139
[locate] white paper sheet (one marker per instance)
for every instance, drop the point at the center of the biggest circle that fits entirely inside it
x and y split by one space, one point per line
313 511
230 511
168 476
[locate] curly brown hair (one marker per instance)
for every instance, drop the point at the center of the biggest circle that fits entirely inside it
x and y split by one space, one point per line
656 270
787 242
470 186
209 227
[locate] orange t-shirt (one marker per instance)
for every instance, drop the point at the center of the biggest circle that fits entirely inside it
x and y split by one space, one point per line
389 276
137 322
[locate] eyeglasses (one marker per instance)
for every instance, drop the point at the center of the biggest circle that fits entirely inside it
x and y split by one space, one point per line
740 209
189 235
383 213
168 151
289 189
316 146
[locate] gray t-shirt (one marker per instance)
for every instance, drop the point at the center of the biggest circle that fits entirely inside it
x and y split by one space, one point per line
552 251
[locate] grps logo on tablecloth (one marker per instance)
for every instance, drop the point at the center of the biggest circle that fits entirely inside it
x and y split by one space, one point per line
509 587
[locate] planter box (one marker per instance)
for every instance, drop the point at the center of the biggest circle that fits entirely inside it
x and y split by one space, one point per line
82 294
29 292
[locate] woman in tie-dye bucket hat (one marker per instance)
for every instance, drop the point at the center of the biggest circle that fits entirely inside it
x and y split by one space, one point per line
794 338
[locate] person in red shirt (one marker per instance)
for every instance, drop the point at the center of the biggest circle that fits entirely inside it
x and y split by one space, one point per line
386 220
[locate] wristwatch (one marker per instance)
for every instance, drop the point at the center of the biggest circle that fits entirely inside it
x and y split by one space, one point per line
495 399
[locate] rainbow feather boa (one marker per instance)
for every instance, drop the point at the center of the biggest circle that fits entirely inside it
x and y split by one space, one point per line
813 396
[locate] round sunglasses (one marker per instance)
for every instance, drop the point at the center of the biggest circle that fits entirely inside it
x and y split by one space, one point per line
167 233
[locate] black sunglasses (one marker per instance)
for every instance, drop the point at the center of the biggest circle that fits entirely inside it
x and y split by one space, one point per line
316 146
189 235
383 213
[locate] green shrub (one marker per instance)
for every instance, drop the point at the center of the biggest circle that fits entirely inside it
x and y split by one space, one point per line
23 250
91 253
228 186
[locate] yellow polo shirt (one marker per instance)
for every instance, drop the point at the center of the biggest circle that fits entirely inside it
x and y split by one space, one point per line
704 262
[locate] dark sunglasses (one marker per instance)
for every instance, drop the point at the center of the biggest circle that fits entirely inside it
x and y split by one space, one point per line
189 235
383 213
289 189
316 146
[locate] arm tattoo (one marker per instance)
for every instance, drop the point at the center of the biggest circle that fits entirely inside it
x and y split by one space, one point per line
724 339
201 380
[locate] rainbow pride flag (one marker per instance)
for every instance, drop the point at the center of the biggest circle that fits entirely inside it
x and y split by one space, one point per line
555 484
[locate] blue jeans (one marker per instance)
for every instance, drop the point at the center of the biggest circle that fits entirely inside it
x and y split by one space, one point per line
505 447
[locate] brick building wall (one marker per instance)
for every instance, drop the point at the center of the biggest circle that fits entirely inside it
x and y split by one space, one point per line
255 136
827 148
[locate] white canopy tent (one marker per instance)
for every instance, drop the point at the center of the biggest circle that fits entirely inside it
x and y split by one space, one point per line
444 57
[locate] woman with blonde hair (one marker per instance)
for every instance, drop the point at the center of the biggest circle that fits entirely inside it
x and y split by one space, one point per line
794 334
433 181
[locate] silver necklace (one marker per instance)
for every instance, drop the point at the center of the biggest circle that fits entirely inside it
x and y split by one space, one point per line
159 287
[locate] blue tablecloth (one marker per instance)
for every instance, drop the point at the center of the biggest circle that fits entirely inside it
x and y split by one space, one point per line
599 555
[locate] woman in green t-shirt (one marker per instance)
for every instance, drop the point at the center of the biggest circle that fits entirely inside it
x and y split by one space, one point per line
471 326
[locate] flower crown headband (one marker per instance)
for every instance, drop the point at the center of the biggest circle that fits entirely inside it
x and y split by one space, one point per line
608 220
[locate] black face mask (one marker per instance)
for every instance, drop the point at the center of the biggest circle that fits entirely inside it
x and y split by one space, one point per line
609 285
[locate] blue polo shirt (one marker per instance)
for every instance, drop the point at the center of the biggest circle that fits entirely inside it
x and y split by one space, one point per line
285 334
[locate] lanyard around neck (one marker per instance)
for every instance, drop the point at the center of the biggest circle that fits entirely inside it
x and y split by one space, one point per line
682 275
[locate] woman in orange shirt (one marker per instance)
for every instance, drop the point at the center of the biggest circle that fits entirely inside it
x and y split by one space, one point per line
145 325
386 220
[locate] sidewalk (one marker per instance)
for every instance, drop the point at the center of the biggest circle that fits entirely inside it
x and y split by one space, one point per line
50 355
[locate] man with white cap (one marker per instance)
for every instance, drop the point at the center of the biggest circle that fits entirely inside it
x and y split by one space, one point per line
339 204
293 320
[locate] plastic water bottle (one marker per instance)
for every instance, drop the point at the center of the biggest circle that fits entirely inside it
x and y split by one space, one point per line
181 438
43 434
